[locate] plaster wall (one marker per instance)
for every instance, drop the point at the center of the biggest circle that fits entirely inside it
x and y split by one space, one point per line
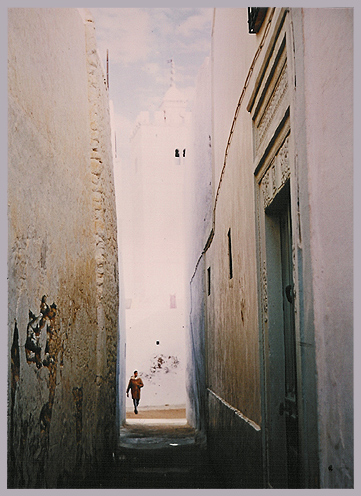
319 97
233 397
232 55
199 224
62 242
199 201
328 90
232 304
121 213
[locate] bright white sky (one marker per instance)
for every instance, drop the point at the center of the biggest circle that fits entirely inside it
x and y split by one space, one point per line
141 41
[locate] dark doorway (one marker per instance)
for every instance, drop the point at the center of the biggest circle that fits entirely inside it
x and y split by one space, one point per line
281 366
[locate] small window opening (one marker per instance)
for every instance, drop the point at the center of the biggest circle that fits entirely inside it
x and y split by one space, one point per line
176 153
173 303
209 281
256 16
230 254
184 152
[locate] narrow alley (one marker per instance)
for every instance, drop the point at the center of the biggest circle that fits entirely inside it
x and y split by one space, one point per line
180 212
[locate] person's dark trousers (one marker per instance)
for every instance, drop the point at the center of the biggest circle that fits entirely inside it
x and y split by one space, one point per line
136 403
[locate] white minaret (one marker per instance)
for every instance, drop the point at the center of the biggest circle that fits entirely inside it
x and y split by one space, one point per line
154 259
174 104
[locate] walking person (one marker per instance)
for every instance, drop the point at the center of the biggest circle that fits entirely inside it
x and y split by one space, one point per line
135 383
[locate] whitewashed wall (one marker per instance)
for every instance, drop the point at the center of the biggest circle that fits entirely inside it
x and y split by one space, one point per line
199 215
328 79
320 61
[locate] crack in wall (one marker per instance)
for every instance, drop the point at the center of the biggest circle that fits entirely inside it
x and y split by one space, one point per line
15 378
78 400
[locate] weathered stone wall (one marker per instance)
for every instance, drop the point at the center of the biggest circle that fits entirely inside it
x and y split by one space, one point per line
62 243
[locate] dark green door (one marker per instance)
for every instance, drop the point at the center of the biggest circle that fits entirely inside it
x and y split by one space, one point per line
288 406
282 444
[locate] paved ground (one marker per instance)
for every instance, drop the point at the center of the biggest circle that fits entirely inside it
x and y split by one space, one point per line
159 453
161 413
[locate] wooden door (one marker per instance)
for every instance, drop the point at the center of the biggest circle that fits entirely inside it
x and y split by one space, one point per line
288 407
280 347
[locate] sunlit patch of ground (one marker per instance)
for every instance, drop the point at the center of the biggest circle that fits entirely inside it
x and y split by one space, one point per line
157 414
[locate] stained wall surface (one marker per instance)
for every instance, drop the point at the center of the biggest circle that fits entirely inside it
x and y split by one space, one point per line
62 252
233 366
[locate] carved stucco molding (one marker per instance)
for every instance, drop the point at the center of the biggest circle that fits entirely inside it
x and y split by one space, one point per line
284 161
276 175
273 105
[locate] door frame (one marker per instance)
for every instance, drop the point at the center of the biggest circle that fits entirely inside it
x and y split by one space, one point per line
277 106
270 182
271 107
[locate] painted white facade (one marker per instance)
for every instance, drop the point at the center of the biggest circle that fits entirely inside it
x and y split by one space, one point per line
199 201
282 141
154 251
328 83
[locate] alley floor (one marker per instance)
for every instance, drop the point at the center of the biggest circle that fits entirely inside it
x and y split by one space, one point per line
159 453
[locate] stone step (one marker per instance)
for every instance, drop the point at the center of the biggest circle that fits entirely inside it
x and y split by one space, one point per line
156 456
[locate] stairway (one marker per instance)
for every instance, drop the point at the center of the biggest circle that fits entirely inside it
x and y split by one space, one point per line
154 455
